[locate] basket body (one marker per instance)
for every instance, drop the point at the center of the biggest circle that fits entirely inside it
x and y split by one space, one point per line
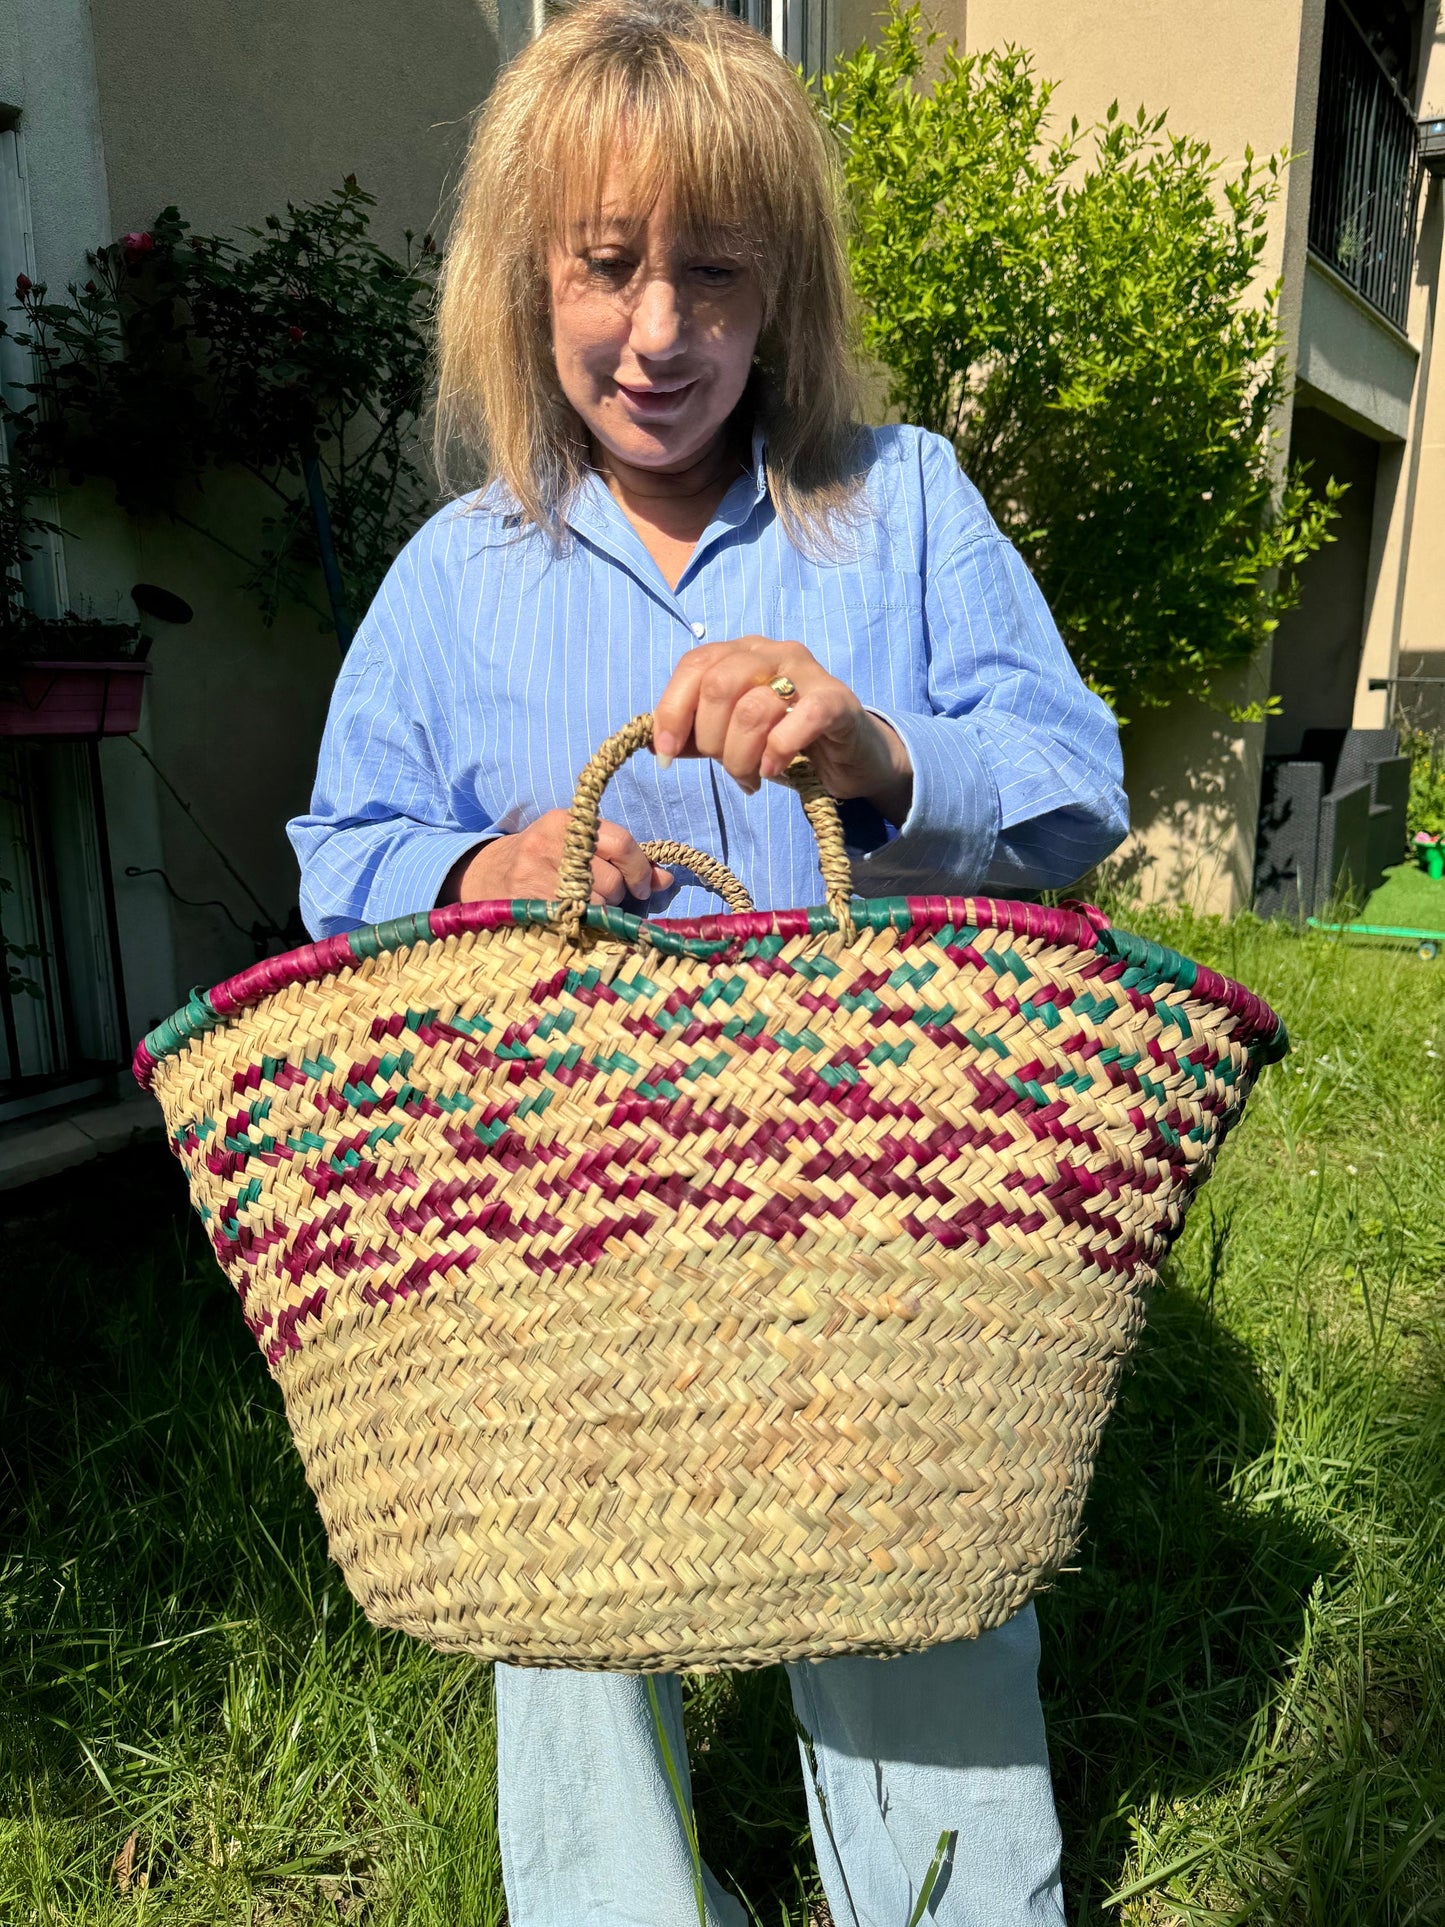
703 1295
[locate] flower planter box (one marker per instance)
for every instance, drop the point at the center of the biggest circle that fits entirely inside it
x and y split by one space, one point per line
72 699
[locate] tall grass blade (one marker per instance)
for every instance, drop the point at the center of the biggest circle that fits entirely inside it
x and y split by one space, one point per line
925 1892
689 1823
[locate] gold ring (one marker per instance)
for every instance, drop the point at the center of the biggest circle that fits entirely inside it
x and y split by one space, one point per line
785 687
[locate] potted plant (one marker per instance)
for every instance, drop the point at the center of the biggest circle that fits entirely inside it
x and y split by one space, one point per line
69 676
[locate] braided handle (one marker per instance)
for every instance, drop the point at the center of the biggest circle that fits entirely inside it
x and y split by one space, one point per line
717 876
579 846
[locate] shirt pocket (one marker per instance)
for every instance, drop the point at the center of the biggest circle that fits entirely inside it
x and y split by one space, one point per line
867 631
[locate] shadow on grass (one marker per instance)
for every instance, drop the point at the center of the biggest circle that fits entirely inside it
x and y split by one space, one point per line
141 1446
1162 1652
131 1499
190 1703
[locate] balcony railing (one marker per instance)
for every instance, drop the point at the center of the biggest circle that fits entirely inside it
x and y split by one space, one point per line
1365 184
802 30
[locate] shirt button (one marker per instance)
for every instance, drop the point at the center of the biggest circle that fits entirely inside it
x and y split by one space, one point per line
699 629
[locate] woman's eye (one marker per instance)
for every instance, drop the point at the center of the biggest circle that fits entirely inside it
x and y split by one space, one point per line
716 274
611 268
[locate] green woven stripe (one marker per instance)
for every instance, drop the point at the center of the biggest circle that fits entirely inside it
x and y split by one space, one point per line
1152 964
396 934
193 1021
1149 966
1269 1050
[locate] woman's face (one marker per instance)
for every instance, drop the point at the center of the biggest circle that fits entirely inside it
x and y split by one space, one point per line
653 342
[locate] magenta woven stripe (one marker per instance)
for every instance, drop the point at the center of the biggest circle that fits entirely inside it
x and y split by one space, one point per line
1209 985
453 918
274 973
1080 926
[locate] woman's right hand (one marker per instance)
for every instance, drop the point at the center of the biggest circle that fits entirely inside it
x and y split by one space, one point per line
526 864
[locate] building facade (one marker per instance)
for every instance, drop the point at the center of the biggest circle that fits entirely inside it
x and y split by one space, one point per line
148 863
1355 245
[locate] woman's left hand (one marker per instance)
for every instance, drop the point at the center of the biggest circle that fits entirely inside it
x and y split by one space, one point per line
719 703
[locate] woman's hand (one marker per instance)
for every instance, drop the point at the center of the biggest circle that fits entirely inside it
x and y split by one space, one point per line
526 865
718 703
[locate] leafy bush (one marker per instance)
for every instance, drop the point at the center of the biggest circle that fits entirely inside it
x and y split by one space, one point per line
1081 326
300 357
1426 807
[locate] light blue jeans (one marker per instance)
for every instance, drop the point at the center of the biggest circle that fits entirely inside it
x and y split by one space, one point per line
947 1740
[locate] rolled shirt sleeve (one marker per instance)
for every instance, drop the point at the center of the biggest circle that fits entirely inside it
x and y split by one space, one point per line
382 832
1017 772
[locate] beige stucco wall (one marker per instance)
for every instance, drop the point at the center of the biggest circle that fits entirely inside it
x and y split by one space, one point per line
1408 564
231 111
1237 75
1409 635
1422 615
233 716
48 83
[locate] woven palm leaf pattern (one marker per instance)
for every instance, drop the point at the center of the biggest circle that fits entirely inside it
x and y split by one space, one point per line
663 1297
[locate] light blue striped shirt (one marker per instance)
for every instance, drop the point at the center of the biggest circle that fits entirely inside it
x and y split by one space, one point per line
491 665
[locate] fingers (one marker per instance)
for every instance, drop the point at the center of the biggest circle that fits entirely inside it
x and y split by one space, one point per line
690 716
755 714
719 704
620 866
810 720
628 869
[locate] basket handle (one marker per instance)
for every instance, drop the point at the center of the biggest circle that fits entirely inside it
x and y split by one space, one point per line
717 876
574 880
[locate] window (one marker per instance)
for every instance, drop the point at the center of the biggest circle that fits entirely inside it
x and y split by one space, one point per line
803 31
61 1032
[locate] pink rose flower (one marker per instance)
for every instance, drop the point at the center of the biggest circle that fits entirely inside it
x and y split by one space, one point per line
136 247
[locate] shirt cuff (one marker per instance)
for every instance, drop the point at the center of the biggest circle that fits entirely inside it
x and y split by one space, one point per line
411 876
946 843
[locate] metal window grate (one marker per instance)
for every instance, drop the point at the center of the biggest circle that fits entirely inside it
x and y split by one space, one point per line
1365 181
801 30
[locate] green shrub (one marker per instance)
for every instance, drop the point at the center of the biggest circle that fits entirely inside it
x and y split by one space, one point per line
1426 810
1082 326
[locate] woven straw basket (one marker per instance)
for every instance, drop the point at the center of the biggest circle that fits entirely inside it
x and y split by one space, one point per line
682 1295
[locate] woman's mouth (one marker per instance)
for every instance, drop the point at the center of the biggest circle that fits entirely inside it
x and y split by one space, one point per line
656 399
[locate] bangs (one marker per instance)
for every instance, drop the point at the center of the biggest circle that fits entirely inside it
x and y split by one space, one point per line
614 139
617 106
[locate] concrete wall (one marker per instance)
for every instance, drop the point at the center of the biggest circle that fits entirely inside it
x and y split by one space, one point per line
1236 75
1355 364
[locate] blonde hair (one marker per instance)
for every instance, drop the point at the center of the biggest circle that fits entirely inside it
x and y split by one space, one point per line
708 108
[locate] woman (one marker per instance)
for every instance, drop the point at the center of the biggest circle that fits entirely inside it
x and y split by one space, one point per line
645 338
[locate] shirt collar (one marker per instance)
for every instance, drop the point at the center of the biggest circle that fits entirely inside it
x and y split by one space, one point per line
594 515
760 463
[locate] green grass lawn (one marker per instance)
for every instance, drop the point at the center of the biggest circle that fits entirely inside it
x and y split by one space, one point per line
1245 1677
1408 899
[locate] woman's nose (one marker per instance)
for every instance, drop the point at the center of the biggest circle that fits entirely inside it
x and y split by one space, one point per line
657 319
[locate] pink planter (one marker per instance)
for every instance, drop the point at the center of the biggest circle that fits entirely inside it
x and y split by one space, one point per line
73 699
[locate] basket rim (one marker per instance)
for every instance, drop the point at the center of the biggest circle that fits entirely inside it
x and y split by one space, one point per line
713 938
